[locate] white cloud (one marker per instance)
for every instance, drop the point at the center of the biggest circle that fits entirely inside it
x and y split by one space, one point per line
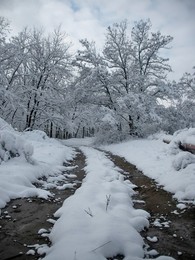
89 19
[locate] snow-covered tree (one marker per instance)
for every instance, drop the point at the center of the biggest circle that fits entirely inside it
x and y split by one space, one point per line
139 72
6 57
187 85
48 69
129 76
35 72
115 92
185 105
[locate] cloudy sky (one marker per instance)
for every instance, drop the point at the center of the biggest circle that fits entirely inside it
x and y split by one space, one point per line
89 19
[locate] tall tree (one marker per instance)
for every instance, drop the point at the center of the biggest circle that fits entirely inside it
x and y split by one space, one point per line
139 72
36 71
130 75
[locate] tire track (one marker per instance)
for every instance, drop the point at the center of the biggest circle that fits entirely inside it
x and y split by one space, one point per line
22 218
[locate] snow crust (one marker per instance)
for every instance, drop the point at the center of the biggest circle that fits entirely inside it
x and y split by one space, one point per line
167 164
99 220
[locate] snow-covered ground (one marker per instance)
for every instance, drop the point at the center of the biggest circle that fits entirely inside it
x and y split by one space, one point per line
17 175
166 163
99 220
77 142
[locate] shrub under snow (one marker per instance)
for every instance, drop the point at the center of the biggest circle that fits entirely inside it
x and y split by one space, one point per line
186 135
182 160
36 135
109 131
13 145
109 135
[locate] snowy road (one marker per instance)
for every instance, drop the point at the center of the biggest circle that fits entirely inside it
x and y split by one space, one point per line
105 207
102 220
171 230
28 221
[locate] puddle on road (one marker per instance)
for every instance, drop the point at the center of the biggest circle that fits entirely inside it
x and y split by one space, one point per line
175 232
22 219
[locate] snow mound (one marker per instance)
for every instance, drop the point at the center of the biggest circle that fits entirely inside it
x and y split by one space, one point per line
180 137
13 145
19 170
186 135
160 136
36 135
182 160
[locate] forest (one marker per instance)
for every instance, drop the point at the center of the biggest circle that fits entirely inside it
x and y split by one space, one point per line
124 192
120 91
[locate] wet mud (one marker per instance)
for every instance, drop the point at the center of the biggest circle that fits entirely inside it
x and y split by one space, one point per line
174 228
21 219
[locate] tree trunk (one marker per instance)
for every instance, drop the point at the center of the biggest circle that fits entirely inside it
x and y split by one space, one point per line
77 130
83 135
131 126
51 130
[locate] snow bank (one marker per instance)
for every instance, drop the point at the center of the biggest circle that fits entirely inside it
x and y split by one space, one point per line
169 166
182 160
184 136
99 220
36 135
17 174
13 145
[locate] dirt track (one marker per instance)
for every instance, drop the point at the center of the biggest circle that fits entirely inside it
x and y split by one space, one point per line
29 216
175 233
174 228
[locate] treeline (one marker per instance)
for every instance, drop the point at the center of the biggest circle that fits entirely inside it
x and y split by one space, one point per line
114 93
